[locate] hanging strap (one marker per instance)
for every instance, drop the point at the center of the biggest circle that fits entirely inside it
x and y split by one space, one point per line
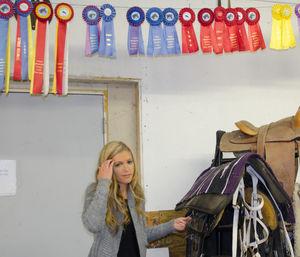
235 224
297 181
229 4
252 218
252 172
261 139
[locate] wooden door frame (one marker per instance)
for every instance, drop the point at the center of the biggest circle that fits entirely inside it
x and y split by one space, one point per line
97 86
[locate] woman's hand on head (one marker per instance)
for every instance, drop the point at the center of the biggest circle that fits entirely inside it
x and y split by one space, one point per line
180 223
106 169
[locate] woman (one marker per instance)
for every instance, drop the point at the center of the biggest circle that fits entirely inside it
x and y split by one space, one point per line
114 208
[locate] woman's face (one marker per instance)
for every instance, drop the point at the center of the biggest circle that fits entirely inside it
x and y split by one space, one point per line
123 167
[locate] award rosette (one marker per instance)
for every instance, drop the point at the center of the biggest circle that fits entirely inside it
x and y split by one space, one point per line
231 18
91 15
288 37
297 12
208 38
255 36
63 13
156 43
6 12
220 31
170 33
189 40
135 43
40 79
243 39
23 57
276 34
107 45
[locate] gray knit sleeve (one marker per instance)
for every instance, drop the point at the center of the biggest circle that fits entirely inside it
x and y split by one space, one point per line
159 231
95 205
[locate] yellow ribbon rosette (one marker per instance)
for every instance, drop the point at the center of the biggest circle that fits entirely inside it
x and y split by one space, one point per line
276 36
288 38
282 36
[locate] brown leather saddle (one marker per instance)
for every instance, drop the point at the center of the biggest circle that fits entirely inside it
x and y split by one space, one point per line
278 143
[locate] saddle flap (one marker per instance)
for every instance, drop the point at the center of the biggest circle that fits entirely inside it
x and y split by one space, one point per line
281 157
208 203
237 141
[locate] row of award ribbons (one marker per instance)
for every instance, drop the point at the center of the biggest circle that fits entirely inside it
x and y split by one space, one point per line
222 30
32 59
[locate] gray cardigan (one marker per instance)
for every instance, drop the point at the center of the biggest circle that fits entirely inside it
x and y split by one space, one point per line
106 244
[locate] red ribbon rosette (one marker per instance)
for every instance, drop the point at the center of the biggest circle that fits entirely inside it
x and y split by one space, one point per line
40 82
189 40
207 34
231 18
64 13
220 32
255 36
242 34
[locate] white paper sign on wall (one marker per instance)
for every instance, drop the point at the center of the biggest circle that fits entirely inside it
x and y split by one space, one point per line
8 179
158 252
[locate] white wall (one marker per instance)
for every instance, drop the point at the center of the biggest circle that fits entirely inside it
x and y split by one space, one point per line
185 99
51 176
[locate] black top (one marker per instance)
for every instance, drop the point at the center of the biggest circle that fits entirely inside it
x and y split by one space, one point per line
128 245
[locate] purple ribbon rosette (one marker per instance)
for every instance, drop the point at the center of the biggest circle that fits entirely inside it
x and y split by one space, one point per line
91 15
297 12
135 16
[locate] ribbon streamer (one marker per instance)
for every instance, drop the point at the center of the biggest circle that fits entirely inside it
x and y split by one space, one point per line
276 34
135 43
91 15
223 41
6 12
156 42
288 37
208 38
107 45
64 13
189 40
23 57
40 79
231 18
170 33
256 40
242 34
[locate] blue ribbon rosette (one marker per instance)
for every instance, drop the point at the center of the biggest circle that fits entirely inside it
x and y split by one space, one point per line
170 33
23 9
156 41
6 12
107 45
91 15
135 43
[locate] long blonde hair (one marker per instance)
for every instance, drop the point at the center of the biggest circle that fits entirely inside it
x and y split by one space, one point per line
115 200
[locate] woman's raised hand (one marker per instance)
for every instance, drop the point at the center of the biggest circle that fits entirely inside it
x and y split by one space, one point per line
106 169
180 223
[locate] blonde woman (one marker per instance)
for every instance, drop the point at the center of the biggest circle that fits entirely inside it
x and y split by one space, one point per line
114 207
